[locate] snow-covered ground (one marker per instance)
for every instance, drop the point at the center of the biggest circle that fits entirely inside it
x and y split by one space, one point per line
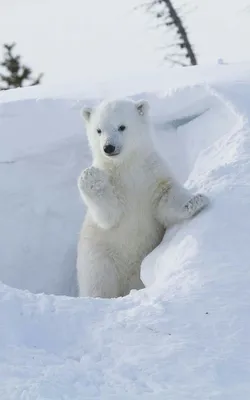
186 336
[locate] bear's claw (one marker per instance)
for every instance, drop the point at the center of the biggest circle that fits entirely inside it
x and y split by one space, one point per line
196 204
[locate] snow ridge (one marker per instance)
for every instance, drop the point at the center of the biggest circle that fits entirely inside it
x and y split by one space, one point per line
186 335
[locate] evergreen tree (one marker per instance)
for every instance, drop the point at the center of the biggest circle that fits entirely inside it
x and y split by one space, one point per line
17 74
169 18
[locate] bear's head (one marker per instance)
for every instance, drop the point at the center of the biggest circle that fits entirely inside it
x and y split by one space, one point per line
117 129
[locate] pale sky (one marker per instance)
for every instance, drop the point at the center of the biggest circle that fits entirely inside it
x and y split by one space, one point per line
99 39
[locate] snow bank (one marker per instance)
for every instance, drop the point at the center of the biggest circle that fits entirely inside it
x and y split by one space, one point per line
186 335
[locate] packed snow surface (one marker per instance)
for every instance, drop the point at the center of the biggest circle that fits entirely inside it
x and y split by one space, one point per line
186 336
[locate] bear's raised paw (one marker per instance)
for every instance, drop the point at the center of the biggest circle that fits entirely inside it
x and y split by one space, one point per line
93 181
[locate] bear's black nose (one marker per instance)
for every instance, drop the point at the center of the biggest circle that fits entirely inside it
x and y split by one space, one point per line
109 149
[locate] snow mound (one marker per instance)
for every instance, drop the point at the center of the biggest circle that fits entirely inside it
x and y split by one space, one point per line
186 335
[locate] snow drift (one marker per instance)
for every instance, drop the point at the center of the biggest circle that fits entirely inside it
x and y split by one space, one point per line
186 335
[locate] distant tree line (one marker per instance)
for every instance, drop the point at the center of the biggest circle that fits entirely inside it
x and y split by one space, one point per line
15 74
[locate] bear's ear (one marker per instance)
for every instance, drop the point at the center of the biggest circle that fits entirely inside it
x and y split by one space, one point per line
86 113
142 107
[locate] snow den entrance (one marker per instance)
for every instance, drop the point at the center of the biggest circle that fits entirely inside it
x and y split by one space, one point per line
44 151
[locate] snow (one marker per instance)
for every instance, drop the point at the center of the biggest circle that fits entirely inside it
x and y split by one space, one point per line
186 336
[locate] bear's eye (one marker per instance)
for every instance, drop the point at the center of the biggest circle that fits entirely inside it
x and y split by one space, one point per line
121 128
99 131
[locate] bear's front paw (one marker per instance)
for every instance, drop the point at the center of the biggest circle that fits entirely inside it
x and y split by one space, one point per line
195 205
93 180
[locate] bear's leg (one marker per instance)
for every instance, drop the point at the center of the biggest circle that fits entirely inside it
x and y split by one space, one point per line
98 194
97 274
195 205
135 283
178 204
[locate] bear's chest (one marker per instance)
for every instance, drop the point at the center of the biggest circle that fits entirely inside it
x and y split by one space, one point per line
136 193
139 232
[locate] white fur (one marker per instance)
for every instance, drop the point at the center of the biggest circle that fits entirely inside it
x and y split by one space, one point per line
131 199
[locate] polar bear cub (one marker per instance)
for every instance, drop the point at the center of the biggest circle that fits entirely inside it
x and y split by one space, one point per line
131 199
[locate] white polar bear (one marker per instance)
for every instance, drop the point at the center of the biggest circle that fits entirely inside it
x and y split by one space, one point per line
131 198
